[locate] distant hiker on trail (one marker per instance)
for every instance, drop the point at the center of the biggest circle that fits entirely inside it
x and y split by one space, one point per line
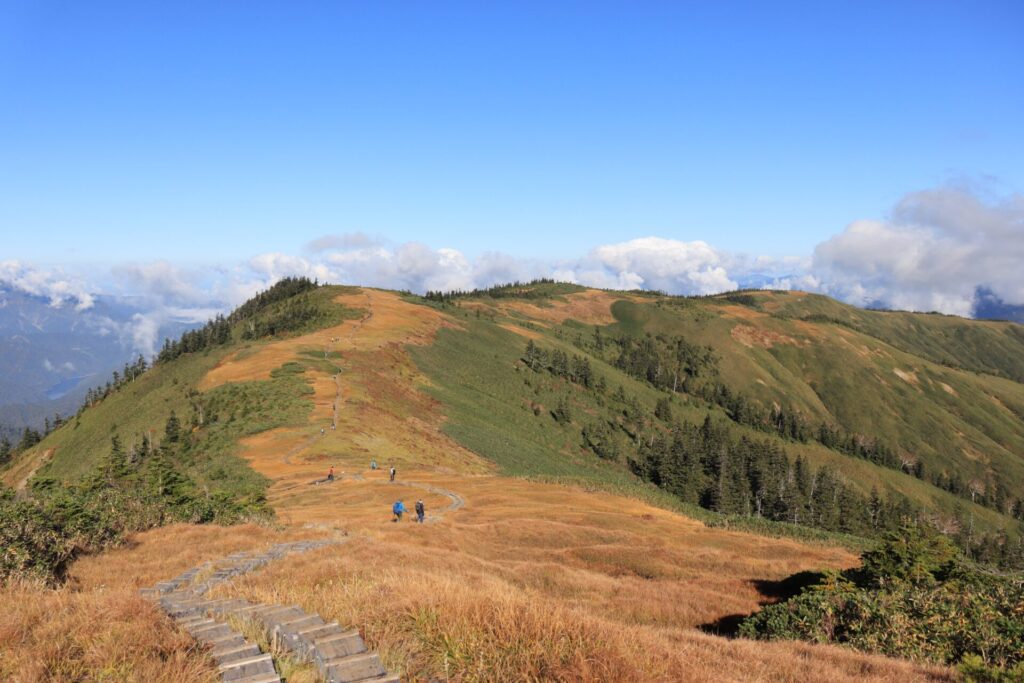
373 464
398 508
420 511
321 431
393 474
330 474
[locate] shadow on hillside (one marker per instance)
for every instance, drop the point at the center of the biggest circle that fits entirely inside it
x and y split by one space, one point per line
771 591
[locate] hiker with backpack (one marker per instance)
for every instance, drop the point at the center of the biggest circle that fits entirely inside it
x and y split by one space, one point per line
393 471
420 511
330 474
398 509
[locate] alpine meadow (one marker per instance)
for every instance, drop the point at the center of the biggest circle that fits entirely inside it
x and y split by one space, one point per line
618 486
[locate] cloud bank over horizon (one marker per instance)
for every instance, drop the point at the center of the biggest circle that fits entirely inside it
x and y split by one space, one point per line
936 251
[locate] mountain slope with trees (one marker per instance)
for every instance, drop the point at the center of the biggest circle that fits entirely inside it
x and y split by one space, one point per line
606 413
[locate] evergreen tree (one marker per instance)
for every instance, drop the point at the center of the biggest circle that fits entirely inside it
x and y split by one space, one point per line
663 409
534 357
172 430
112 469
29 438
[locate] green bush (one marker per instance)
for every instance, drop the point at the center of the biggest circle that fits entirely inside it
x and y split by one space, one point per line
912 598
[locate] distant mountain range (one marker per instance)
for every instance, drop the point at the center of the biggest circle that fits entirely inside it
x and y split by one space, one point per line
51 355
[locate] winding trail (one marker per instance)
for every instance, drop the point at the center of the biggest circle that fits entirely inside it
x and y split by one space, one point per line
338 397
215 622
340 655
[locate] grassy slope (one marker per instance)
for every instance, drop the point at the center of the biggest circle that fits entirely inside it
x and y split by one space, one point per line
230 412
528 581
986 346
951 418
488 400
954 419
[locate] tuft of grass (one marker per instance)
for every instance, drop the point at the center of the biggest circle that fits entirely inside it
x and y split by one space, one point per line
109 635
292 668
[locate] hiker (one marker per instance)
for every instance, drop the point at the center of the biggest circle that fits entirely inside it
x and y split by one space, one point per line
333 426
330 474
393 473
398 508
321 431
373 464
420 511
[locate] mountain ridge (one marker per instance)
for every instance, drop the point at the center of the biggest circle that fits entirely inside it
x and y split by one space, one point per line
546 409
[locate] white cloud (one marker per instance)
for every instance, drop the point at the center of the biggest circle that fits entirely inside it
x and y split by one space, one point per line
52 284
654 263
934 253
275 266
411 266
159 280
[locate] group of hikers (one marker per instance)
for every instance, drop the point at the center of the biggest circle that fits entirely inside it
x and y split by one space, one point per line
398 509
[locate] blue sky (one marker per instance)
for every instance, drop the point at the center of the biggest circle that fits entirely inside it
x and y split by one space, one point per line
192 152
213 131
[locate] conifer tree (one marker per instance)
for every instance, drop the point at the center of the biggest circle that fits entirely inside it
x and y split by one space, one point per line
663 409
172 430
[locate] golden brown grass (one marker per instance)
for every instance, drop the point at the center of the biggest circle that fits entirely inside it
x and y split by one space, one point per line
593 307
166 552
528 582
107 634
434 614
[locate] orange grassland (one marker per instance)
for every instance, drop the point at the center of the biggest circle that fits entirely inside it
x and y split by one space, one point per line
510 580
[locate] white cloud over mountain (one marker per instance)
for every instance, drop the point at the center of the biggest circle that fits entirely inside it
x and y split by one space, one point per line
656 263
934 251
52 284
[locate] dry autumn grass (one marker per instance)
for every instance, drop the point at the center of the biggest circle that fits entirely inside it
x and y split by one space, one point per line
434 614
96 635
527 582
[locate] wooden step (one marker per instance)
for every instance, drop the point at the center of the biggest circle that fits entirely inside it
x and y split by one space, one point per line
334 647
353 668
259 678
210 635
235 639
243 668
305 638
246 651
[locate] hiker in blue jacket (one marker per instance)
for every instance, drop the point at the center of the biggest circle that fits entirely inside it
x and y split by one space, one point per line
398 508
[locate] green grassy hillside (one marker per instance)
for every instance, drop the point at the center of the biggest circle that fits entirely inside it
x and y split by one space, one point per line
965 423
137 411
921 411
950 435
